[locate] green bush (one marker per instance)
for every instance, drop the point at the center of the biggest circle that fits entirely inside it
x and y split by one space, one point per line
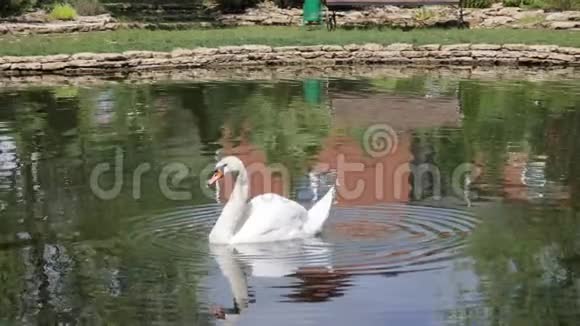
63 11
513 3
230 5
478 3
289 3
544 4
561 4
538 4
88 7
535 4
424 14
15 7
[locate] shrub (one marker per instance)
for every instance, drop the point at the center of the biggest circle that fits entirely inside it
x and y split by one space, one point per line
63 11
478 3
289 3
230 5
513 3
544 4
532 19
88 7
562 4
535 4
424 14
15 7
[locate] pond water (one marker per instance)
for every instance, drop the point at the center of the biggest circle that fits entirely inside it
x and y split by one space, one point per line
457 202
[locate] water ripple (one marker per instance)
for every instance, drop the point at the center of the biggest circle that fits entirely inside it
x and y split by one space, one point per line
356 240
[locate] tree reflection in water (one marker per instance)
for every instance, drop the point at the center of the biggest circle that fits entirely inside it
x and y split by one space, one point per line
66 256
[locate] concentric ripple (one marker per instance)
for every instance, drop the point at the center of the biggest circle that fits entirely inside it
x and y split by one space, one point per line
397 238
356 240
179 232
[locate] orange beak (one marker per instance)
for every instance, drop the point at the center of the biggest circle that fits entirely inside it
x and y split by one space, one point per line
216 176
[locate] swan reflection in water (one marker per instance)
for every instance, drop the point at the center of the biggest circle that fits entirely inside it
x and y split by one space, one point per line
306 260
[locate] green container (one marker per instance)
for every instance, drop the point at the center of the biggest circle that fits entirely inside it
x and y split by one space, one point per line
312 91
312 11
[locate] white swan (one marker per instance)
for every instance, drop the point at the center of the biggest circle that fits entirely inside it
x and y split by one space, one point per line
268 217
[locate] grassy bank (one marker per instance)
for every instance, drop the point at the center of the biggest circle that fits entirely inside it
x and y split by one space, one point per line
122 40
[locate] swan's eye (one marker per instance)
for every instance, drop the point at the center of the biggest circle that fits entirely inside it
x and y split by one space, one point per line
220 169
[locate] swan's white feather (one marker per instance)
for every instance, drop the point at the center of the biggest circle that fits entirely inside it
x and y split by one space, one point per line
318 214
272 218
266 218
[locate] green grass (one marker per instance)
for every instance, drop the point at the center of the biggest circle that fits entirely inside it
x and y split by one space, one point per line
122 40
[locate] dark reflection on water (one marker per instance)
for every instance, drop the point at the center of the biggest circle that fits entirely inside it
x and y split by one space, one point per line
495 245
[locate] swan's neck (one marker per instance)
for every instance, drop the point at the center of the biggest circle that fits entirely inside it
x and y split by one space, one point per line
227 224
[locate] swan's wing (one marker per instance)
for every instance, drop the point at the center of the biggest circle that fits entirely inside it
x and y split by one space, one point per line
319 213
272 218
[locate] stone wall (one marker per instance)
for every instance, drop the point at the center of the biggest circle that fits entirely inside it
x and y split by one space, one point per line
467 55
491 73
499 16
268 14
430 16
38 23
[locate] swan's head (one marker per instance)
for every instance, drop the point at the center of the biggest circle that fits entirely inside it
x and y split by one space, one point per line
229 164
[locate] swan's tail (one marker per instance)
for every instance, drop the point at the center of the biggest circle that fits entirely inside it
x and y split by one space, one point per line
318 214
